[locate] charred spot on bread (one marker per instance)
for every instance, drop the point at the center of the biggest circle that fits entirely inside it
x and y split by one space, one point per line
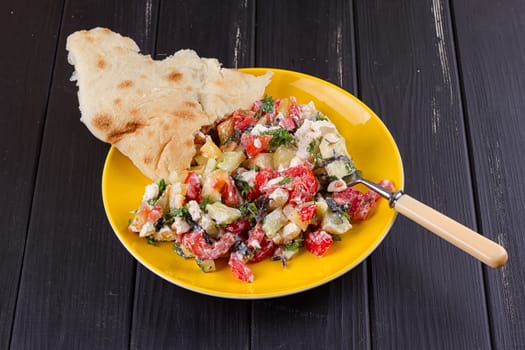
190 104
101 63
117 101
125 84
116 134
174 76
184 114
102 122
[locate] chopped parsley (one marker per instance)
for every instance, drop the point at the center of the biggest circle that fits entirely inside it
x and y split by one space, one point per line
242 186
312 146
162 187
205 201
267 104
285 180
151 241
293 245
318 116
249 210
280 136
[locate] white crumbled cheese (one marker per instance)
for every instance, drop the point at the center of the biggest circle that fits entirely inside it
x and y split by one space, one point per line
147 230
257 143
336 186
308 111
278 197
164 235
290 231
309 132
254 244
180 225
150 192
207 224
259 129
274 181
249 177
296 161
194 210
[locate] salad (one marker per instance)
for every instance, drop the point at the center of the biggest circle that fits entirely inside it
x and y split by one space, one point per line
266 183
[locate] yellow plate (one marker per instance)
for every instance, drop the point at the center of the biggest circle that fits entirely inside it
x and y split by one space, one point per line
374 152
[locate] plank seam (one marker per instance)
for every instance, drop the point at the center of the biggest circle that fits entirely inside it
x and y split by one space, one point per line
471 166
136 272
35 171
367 271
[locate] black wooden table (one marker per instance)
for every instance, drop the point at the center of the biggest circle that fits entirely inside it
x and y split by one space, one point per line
448 80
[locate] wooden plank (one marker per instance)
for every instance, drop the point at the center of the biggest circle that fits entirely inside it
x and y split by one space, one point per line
492 57
425 294
27 64
77 279
315 38
167 316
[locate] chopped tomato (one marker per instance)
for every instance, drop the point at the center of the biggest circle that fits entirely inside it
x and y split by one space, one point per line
306 212
254 144
229 193
239 268
288 123
243 120
196 243
266 249
146 213
304 184
193 190
294 111
318 242
263 176
360 205
239 226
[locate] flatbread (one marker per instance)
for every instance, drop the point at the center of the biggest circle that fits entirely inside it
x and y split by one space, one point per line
150 110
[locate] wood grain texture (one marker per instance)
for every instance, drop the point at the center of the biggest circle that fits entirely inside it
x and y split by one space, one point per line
315 38
492 58
425 293
76 279
167 316
25 76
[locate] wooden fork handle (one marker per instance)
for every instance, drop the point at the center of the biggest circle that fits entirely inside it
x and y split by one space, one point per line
452 231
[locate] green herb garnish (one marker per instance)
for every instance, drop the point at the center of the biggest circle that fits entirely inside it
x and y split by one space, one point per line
205 201
285 180
293 245
242 185
151 241
280 136
162 187
318 116
312 146
267 104
249 210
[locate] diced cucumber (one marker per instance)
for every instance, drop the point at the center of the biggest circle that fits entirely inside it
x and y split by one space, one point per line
339 168
283 155
222 214
207 265
335 223
322 207
210 166
231 161
273 222
332 145
182 250
262 160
